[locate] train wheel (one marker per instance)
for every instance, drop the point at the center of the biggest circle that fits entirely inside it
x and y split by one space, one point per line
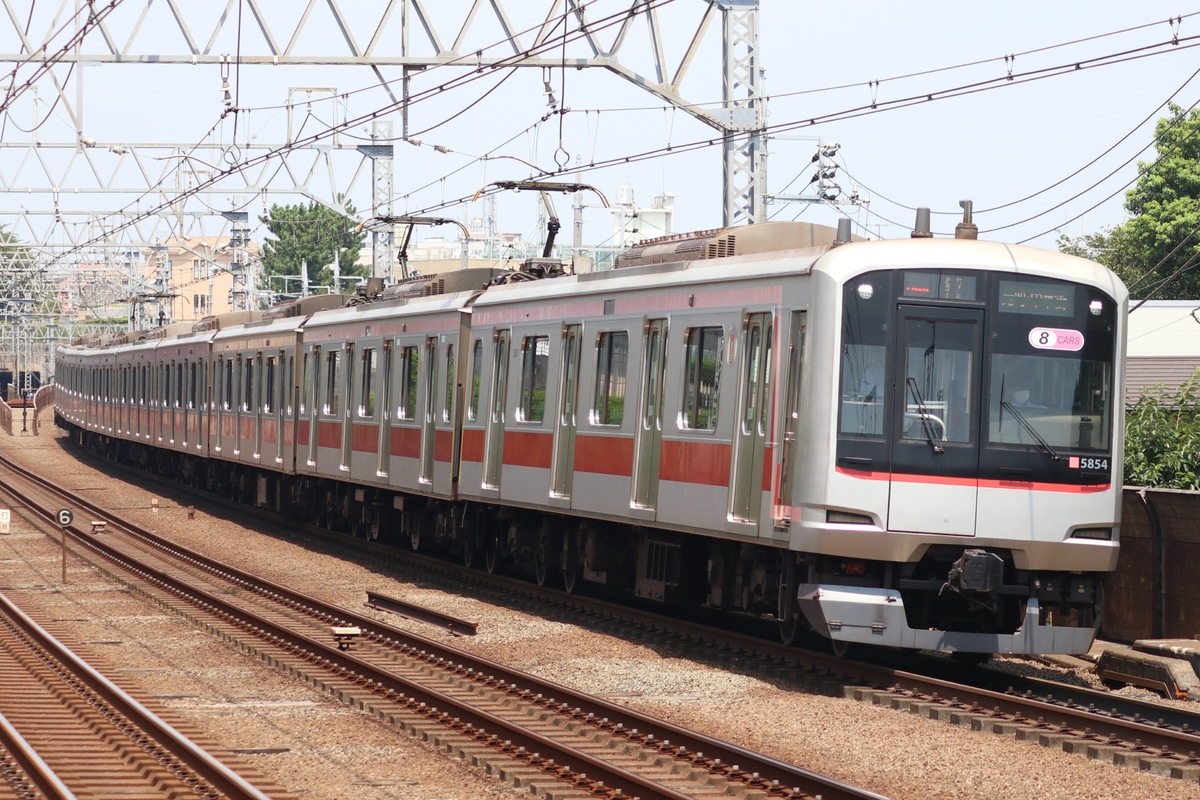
543 555
470 551
414 532
789 631
329 510
570 560
843 649
491 553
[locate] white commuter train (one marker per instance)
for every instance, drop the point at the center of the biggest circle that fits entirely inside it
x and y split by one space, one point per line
912 443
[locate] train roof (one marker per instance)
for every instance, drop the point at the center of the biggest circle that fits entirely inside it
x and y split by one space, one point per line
844 262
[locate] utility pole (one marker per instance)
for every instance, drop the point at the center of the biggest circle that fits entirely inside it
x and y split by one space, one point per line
239 237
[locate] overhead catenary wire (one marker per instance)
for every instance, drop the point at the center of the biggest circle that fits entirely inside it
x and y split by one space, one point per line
547 44
711 142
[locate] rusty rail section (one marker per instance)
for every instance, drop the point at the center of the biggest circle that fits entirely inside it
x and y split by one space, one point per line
403 608
24 770
91 733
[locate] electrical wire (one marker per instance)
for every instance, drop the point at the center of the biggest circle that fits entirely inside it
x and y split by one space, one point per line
1016 79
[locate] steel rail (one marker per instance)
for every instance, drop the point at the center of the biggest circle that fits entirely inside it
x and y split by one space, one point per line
196 758
719 757
36 771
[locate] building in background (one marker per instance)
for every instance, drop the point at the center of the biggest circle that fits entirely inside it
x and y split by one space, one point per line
1164 346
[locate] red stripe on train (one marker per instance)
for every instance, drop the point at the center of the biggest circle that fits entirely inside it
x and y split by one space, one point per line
976 482
706 463
527 449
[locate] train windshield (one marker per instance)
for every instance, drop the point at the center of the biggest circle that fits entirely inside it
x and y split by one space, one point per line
967 373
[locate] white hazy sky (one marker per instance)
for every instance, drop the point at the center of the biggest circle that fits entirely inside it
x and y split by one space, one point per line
1048 152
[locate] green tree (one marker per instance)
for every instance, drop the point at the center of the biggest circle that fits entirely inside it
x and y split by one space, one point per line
1113 248
1162 438
315 235
1157 251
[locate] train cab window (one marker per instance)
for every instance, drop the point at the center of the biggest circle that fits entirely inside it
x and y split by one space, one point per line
939 379
366 405
476 379
409 376
703 378
862 389
612 357
332 397
448 406
1051 379
535 358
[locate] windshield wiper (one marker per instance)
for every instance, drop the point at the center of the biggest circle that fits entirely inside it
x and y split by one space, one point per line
1027 425
925 416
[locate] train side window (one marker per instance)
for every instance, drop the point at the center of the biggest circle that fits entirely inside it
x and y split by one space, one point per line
612 357
248 385
535 356
304 385
269 386
179 385
192 382
285 385
448 407
366 406
476 379
702 379
331 382
409 375
227 394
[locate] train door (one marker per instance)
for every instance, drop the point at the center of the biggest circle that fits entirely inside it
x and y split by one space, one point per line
648 439
791 420
383 448
311 393
935 454
749 446
563 460
263 396
429 415
494 441
239 399
278 403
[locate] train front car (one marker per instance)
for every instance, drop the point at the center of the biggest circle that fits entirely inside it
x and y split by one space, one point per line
970 494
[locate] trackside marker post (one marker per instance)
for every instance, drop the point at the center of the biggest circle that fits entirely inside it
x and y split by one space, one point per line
65 518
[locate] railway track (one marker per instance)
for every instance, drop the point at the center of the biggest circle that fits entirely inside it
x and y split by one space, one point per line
70 732
531 732
1075 720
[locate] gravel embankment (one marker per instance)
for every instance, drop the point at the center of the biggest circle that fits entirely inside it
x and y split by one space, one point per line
319 749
